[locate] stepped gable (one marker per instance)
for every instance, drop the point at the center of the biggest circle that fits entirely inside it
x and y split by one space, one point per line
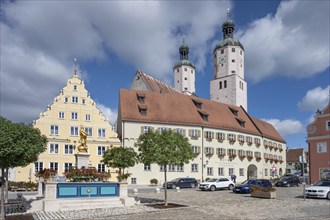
179 109
145 82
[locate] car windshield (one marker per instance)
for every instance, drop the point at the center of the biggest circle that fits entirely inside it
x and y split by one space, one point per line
248 182
322 183
285 178
211 180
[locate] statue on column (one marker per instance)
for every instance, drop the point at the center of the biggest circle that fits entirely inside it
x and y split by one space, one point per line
83 139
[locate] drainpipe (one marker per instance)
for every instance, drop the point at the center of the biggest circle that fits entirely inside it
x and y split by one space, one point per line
202 154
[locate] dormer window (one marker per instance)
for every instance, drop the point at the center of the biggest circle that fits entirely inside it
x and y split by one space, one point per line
141 98
235 112
204 115
197 103
241 122
143 110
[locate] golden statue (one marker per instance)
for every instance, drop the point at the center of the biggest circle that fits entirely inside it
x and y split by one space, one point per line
83 137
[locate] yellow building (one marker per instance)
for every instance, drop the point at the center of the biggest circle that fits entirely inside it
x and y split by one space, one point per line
61 122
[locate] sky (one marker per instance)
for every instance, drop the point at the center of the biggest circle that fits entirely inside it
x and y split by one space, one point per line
286 53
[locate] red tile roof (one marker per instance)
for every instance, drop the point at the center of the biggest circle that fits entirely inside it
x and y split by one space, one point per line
292 155
179 109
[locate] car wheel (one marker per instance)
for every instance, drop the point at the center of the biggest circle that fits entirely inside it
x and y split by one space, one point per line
231 187
328 195
193 185
173 186
212 188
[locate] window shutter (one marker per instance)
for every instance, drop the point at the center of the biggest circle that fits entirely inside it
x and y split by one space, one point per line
198 133
212 135
142 129
205 133
189 132
199 149
212 150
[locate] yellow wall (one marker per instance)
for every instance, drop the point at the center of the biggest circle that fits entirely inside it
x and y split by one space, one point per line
74 88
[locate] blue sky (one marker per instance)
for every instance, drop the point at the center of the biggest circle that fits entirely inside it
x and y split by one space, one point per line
286 52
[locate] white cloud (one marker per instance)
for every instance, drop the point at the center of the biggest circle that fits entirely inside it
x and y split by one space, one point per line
314 99
286 127
294 42
109 114
41 38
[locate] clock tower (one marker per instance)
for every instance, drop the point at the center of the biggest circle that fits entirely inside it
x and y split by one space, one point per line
184 72
228 85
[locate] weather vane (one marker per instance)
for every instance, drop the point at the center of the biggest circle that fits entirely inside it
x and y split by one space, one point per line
228 14
75 66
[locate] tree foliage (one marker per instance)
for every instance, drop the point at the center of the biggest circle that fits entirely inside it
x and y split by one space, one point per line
164 148
120 157
20 144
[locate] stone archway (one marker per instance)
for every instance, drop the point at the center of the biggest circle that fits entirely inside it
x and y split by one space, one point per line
252 172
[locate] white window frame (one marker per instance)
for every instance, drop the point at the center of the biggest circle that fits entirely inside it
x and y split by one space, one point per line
54 130
321 147
194 167
221 171
133 180
87 117
179 168
241 171
101 168
38 166
67 166
74 131
68 149
74 99
101 132
171 168
195 149
89 131
53 148
209 171
53 166
231 171
180 131
61 115
147 167
74 115
101 150
220 136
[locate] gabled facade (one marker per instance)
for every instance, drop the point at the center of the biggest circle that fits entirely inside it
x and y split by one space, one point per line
318 140
225 139
61 122
293 161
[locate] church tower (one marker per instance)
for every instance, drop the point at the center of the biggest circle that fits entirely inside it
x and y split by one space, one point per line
184 72
228 85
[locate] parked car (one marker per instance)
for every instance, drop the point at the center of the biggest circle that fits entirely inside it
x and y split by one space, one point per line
182 183
288 181
321 189
245 187
217 183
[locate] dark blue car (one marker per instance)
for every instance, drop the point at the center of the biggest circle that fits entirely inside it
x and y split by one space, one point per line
245 187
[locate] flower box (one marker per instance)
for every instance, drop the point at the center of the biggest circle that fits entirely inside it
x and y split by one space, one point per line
249 157
265 195
241 157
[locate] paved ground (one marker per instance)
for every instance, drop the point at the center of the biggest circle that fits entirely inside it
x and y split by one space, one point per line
223 204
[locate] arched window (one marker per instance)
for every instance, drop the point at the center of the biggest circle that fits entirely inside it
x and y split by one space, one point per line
225 84
220 85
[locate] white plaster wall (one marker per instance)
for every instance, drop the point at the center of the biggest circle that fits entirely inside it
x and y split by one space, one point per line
179 79
133 130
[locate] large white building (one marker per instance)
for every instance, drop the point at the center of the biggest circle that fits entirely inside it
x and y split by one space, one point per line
225 138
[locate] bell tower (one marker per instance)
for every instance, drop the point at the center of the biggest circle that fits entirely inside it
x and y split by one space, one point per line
184 72
228 85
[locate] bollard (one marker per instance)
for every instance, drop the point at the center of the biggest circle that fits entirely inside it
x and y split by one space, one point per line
177 189
157 190
135 191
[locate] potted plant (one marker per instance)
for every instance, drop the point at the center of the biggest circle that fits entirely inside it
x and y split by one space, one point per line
153 181
263 192
45 174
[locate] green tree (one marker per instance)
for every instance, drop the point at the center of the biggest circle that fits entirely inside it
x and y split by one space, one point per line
20 145
120 157
164 148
